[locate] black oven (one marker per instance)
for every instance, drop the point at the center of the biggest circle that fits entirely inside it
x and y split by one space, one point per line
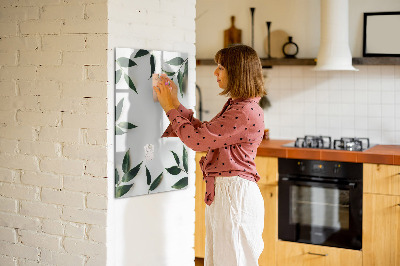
320 202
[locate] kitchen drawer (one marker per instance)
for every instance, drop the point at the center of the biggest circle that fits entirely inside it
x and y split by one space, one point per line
298 254
381 179
267 168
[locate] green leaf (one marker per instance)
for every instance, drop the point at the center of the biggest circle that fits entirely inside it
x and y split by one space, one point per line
141 52
168 73
152 65
119 131
118 74
116 176
156 182
186 68
180 82
129 82
122 190
174 170
126 163
126 125
185 159
131 174
125 62
177 61
176 157
181 183
148 176
118 109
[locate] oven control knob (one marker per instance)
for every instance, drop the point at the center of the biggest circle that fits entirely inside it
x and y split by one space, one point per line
302 167
336 169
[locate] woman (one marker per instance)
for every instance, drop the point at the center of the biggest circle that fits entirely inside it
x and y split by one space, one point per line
235 207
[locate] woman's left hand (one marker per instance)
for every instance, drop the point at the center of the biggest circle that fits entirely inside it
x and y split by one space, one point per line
164 95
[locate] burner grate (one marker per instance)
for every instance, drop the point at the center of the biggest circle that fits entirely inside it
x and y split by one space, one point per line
351 144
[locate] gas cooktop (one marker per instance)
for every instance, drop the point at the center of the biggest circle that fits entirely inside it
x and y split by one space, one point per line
325 142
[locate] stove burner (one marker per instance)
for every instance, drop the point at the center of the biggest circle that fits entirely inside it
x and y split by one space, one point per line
324 142
351 144
308 141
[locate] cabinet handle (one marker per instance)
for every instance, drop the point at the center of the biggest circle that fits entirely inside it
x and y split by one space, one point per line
398 204
318 254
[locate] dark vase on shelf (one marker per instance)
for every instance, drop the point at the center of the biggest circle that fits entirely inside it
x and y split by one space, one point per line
290 49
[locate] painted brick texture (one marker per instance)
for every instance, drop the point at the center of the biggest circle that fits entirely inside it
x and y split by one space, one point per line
53 109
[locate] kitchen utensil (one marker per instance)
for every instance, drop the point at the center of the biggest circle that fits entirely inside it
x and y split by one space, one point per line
252 9
232 35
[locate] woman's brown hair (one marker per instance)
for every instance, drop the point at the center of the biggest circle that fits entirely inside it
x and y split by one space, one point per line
245 78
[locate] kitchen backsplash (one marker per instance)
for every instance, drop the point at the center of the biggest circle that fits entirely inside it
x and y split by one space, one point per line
337 104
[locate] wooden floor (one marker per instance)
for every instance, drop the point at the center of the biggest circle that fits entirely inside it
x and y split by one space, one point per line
199 262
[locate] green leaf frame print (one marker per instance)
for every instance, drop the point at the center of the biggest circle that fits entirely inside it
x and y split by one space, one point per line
144 162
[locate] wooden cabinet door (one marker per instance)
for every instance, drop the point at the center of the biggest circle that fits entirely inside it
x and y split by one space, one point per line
200 207
381 179
298 254
381 230
267 168
270 233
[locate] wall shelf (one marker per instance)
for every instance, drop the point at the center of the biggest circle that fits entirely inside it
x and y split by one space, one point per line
312 61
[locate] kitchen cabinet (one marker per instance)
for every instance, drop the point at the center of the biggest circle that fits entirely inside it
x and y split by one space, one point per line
200 207
270 233
381 215
381 230
267 168
381 179
298 254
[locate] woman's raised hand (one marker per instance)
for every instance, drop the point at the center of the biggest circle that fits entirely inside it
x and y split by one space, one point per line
163 91
174 89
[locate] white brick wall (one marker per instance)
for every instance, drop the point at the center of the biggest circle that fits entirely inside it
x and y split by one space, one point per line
53 107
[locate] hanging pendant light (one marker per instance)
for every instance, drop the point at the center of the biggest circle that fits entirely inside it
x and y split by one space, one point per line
334 51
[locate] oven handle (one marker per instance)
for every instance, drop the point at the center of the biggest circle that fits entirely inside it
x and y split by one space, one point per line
298 181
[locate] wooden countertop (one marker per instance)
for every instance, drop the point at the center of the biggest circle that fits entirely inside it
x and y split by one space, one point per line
379 154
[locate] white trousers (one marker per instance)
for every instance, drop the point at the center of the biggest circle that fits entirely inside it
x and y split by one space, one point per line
234 223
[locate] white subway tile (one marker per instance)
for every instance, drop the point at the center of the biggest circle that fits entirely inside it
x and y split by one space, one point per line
361 123
334 109
348 96
322 96
388 84
388 124
374 97
388 110
388 97
374 124
348 122
374 110
375 136
348 132
322 109
389 137
347 109
322 121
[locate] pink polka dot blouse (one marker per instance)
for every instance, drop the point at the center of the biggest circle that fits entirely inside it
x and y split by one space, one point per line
231 139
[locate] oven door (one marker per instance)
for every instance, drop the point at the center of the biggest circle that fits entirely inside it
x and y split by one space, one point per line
321 212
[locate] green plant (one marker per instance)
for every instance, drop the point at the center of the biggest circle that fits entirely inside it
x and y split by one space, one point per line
121 125
178 61
129 174
176 170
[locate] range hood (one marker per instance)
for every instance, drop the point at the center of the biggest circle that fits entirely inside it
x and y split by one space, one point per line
334 51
